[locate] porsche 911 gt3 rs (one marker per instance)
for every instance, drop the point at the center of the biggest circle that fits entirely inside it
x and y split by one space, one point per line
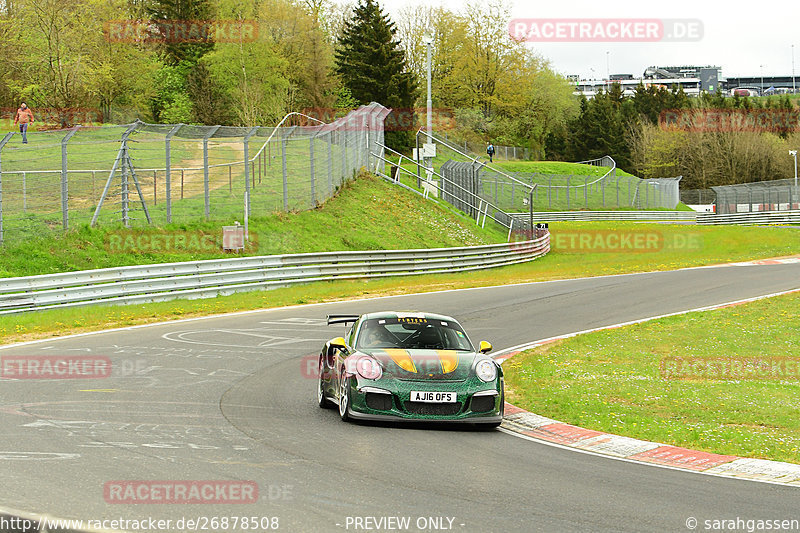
409 367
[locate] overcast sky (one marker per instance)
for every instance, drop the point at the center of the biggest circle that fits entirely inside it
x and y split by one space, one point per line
739 37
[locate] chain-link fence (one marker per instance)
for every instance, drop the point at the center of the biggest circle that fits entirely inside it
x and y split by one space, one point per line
139 173
698 196
775 195
501 152
596 185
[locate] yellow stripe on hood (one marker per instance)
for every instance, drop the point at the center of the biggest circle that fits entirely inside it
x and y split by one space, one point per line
402 359
448 359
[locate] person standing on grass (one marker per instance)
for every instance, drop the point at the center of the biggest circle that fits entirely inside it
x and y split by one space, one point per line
24 117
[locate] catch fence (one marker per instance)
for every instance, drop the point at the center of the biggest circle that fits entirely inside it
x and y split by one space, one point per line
774 195
141 174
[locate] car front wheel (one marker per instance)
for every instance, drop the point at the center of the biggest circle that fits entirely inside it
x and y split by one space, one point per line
323 402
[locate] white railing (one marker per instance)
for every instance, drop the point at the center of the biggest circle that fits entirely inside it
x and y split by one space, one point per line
596 216
758 217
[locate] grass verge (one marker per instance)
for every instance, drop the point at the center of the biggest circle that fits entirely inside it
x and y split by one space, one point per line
633 381
717 245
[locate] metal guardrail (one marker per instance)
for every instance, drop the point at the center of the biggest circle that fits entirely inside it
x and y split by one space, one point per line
597 216
762 217
205 279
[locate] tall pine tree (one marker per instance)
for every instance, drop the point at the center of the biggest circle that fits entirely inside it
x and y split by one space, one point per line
372 65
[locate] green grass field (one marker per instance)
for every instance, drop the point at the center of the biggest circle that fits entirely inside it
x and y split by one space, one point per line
631 381
32 201
367 214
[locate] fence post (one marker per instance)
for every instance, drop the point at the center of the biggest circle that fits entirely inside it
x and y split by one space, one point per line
206 192
328 136
569 178
247 162
168 170
311 155
629 192
603 189
285 175
125 192
3 142
64 180
343 151
586 191
121 155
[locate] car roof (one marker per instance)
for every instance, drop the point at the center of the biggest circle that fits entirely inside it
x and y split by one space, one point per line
411 314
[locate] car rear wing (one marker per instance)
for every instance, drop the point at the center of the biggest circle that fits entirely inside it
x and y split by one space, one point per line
342 319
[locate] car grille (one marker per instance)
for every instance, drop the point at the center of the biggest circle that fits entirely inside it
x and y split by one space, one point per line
381 402
441 409
482 404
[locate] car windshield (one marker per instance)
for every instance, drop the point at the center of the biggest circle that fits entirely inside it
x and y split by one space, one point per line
412 333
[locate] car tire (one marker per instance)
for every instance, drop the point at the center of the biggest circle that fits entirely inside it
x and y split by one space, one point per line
323 402
344 396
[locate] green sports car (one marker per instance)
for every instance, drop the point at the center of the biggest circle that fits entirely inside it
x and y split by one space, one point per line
409 367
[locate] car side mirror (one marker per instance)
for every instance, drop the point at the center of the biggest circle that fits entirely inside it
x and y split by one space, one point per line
338 342
486 347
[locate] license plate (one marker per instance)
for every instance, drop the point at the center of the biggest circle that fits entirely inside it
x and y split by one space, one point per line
433 397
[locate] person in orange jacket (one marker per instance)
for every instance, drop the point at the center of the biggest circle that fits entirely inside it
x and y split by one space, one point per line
24 117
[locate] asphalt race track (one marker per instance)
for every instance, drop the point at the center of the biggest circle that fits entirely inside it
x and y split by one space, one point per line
233 398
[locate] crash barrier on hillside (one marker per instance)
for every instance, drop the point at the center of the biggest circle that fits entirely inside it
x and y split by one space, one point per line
755 218
140 174
210 278
597 216
774 195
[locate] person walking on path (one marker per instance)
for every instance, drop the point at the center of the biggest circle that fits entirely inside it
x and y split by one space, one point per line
490 151
23 117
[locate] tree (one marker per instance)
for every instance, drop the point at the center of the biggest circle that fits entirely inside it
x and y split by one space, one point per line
372 65
175 11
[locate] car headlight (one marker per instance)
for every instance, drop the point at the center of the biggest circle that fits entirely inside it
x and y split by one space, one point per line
486 370
368 368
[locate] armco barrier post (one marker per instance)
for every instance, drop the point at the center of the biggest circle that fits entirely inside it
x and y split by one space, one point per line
3 142
64 178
